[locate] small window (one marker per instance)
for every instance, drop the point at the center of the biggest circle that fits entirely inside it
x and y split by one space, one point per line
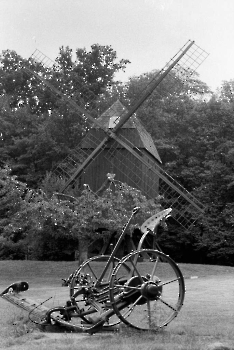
113 121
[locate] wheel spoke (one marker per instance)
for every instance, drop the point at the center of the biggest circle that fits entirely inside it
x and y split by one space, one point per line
149 313
167 304
94 275
168 282
129 311
154 268
154 298
95 295
135 269
108 277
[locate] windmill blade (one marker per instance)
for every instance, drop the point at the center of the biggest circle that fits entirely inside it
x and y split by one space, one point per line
180 67
186 208
183 65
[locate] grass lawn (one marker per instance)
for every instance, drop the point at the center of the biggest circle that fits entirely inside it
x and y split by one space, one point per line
206 318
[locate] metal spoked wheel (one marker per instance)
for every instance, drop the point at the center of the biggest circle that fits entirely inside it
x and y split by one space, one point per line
90 294
90 271
154 292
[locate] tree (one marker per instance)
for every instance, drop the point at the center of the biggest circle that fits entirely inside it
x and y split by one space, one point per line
98 67
226 92
38 128
31 224
194 137
40 225
11 202
111 210
201 159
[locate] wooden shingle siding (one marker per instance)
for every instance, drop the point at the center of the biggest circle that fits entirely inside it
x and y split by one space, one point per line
117 159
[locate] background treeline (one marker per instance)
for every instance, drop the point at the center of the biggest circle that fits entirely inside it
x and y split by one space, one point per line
192 127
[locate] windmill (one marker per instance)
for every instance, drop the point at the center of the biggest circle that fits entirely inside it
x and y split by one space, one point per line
186 207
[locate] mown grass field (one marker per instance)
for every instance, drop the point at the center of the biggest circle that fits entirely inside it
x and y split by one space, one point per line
206 319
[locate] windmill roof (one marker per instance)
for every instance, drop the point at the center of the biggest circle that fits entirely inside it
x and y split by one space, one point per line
110 117
147 140
116 110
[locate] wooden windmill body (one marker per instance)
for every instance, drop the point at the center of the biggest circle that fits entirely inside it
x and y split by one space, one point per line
118 159
117 142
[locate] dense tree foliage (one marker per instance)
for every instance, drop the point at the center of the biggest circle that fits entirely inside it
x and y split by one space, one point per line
192 128
39 227
38 129
195 141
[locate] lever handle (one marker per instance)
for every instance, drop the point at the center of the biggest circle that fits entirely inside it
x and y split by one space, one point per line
135 210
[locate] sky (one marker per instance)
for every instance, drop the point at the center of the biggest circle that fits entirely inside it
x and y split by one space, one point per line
147 32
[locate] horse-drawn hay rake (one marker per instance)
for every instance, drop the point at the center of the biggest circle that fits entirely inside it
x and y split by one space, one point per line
145 290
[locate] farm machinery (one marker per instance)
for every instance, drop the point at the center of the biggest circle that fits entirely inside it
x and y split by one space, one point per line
144 290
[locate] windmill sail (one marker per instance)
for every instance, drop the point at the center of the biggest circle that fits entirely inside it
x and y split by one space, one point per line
181 66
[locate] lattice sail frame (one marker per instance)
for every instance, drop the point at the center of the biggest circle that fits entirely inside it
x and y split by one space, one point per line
186 208
182 66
